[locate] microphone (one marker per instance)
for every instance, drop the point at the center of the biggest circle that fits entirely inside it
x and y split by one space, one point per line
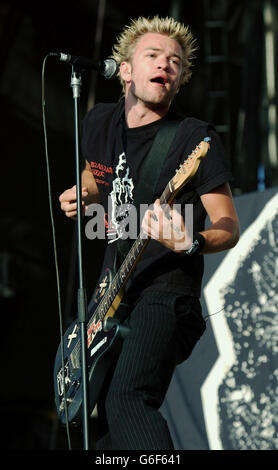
108 67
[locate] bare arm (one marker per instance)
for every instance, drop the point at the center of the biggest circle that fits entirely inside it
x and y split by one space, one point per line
224 230
90 193
88 181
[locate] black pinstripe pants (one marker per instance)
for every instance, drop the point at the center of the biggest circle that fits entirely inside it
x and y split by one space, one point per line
163 332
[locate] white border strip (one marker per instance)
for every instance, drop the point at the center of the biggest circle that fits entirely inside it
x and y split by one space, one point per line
223 276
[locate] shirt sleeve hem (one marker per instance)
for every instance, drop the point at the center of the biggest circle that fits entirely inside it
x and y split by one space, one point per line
214 182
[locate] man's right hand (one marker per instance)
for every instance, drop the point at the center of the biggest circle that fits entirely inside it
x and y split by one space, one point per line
68 201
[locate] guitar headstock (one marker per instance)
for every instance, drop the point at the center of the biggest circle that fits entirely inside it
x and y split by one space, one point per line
190 166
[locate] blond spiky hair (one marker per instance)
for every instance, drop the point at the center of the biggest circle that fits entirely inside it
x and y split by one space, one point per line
124 48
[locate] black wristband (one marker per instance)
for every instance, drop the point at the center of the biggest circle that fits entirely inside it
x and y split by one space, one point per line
198 243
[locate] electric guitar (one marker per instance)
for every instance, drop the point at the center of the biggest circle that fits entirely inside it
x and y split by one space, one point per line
104 333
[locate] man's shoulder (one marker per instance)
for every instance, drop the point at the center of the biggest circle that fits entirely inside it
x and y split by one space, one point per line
102 111
188 124
193 123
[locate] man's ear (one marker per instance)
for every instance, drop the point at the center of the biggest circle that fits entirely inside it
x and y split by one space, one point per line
125 71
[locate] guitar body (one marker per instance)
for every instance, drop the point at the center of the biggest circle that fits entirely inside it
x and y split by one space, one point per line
104 341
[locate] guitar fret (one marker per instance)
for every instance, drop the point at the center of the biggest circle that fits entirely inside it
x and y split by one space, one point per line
166 195
120 276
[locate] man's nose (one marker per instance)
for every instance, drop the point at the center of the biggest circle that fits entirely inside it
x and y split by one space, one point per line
163 63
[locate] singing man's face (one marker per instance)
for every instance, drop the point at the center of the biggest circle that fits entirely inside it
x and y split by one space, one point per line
153 76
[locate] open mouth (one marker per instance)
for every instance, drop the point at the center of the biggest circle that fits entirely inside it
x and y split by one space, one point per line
159 80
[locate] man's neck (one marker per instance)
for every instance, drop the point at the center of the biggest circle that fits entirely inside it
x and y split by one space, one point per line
139 114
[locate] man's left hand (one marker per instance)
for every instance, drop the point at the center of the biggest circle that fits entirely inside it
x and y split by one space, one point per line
166 225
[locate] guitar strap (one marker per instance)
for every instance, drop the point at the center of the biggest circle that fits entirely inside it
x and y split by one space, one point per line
148 178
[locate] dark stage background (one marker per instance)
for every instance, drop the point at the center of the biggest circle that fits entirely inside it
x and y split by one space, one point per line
234 85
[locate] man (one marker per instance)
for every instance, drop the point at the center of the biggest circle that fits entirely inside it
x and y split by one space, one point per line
154 57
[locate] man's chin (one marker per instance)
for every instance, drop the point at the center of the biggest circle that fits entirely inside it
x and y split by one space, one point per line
153 101
156 104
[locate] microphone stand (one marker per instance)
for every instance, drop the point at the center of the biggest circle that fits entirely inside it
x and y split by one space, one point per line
81 295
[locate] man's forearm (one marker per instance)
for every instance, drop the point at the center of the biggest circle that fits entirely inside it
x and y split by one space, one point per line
88 181
221 235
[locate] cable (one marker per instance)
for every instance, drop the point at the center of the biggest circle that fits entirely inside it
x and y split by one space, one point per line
211 315
55 248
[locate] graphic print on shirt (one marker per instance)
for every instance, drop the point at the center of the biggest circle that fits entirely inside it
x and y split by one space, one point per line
120 200
100 172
